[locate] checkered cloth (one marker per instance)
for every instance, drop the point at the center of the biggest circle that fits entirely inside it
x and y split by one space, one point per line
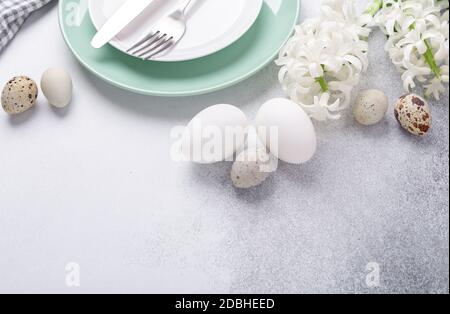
12 15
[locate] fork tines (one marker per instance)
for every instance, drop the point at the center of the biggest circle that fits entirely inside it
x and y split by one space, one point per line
151 46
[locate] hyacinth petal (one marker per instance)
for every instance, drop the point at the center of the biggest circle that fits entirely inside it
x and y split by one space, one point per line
407 23
282 74
315 70
333 64
390 27
356 62
421 47
434 20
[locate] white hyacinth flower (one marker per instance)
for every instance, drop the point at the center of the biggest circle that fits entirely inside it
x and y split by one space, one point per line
323 62
418 41
322 110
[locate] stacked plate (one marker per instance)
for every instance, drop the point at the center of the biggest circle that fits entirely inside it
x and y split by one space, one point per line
226 42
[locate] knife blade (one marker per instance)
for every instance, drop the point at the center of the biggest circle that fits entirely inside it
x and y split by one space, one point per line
119 20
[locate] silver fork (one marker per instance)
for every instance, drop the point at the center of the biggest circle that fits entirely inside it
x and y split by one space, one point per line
164 35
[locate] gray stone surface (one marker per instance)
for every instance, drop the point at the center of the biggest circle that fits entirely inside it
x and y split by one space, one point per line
95 185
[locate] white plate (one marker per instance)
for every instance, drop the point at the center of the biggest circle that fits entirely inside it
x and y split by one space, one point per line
212 24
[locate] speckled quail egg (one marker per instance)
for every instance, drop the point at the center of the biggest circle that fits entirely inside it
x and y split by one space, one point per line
19 95
370 107
251 168
56 85
413 114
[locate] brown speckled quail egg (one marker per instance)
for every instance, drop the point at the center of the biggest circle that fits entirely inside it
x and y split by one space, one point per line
251 168
370 107
19 95
413 114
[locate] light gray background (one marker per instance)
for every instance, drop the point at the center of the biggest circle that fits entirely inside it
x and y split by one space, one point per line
94 184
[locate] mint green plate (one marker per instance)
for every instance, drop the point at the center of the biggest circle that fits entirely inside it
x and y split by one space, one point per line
245 57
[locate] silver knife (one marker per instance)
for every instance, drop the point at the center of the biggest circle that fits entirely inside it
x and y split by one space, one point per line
120 19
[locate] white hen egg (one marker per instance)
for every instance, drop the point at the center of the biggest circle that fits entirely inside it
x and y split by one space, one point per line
287 131
214 134
56 85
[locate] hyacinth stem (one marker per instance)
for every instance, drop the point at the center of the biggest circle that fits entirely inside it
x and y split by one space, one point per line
431 61
323 84
429 57
374 7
